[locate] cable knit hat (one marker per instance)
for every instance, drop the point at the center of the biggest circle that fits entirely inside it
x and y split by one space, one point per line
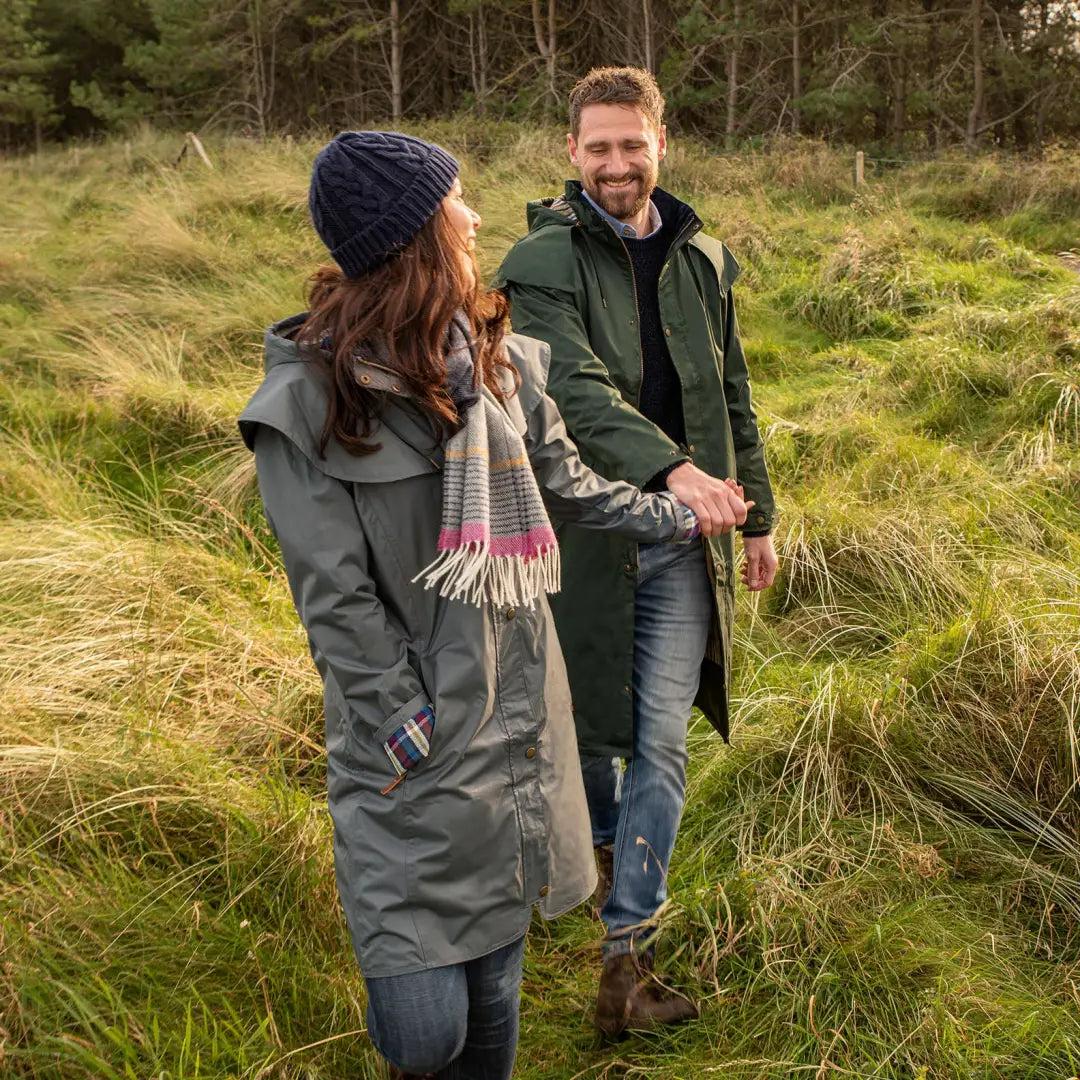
372 192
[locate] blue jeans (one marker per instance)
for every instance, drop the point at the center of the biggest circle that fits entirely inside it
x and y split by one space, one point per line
458 1022
639 811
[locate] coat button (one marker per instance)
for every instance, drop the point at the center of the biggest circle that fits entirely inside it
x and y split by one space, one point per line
531 752
511 612
629 567
544 890
395 388
626 689
691 448
761 519
365 379
667 330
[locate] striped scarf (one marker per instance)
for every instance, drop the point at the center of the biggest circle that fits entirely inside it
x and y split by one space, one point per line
496 543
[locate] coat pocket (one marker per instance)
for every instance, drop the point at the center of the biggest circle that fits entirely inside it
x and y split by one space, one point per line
410 743
398 717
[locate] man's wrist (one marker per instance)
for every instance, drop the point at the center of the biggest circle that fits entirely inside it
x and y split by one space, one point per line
758 522
659 481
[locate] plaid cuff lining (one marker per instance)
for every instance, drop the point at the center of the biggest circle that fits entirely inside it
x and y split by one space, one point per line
690 525
411 742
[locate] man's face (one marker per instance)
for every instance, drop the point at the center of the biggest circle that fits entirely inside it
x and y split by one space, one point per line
618 153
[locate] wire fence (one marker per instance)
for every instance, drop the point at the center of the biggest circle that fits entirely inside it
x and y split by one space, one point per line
861 165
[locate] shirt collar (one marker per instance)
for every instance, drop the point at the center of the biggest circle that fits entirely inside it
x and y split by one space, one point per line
627 232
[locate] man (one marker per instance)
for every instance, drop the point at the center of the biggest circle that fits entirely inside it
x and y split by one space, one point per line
650 377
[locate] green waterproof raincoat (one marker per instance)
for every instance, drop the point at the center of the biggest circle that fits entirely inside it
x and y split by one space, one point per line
571 284
447 865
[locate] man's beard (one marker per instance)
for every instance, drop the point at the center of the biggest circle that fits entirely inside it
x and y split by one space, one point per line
627 203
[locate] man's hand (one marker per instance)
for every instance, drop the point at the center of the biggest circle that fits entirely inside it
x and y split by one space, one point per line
759 567
718 504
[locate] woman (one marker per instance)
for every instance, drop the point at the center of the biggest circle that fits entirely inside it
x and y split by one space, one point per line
405 470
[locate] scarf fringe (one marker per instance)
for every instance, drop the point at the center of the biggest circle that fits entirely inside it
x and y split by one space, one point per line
472 573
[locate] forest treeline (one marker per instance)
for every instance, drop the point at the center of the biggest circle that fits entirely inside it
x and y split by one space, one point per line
904 76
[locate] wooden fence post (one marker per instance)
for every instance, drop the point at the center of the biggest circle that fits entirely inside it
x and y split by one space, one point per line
191 139
860 168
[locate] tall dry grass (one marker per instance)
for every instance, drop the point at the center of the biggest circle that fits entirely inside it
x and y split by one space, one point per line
880 878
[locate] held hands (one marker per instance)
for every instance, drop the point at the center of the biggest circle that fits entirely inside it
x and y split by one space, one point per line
719 504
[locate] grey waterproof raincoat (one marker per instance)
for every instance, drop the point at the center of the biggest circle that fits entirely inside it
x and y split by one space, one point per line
448 865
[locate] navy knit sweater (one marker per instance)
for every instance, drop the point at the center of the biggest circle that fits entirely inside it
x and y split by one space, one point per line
661 391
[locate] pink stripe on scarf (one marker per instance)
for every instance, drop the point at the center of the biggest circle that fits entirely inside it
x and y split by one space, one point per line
472 532
528 546
535 542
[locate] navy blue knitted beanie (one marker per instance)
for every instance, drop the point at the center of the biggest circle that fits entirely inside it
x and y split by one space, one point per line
372 192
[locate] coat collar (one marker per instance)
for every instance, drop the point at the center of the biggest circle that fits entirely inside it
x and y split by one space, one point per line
680 216
283 348
373 376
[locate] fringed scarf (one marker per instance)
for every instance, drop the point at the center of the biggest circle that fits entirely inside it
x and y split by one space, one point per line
496 543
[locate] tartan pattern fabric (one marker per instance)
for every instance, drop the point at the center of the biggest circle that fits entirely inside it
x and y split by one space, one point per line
411 742
690 526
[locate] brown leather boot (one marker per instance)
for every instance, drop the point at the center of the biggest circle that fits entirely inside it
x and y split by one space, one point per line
605 872
613 1005
632 998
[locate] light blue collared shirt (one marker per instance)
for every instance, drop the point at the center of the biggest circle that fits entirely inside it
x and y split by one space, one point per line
627 232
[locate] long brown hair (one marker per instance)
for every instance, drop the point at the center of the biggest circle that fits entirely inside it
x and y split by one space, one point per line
406 304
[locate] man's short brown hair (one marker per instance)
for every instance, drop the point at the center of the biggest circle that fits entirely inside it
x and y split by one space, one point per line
617 86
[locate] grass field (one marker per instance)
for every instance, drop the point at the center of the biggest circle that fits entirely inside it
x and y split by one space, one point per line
880 878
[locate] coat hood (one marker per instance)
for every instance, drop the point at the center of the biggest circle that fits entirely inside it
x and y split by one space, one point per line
278 344
294 396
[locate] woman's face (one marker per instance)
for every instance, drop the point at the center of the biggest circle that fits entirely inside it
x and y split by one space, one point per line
464 222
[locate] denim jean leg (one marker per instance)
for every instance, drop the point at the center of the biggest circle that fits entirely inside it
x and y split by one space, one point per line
672 613
419 1021
459 1022
494 994
603 789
